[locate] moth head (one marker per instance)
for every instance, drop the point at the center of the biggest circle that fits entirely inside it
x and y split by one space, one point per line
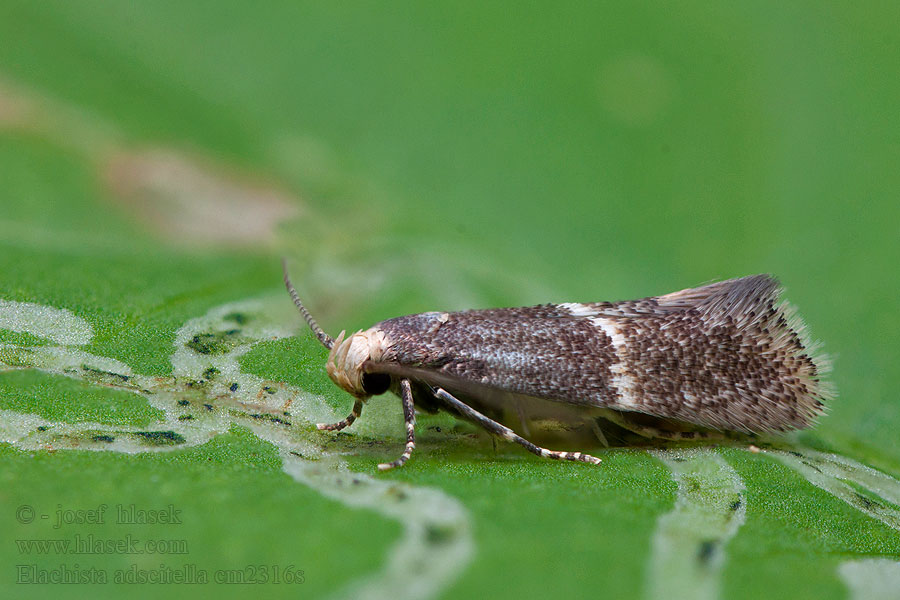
348 358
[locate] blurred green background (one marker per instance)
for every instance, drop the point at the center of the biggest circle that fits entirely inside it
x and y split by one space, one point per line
414 156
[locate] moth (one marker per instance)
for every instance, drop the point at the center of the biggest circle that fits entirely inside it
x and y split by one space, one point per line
726 357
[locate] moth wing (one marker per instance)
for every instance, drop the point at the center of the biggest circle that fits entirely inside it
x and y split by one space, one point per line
723 356
757 369
422 351
732 297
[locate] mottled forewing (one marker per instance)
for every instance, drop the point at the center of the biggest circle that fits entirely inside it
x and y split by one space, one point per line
725 356
537 351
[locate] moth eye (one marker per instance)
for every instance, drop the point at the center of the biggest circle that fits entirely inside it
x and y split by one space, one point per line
376 383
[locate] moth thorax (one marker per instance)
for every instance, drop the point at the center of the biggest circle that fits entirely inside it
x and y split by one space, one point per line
347 357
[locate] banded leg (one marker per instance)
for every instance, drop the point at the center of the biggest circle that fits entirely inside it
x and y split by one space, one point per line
354 414
508 434
409 415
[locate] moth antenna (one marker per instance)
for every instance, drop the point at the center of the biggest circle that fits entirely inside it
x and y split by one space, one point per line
325 339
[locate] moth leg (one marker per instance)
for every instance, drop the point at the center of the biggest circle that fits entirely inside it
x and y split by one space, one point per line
599 433
409 415
644 431
522 420
508 434
354 414
650 432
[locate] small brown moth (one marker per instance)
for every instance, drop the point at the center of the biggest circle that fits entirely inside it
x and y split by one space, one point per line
723 357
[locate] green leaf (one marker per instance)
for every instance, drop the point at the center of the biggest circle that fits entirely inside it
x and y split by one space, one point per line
157 159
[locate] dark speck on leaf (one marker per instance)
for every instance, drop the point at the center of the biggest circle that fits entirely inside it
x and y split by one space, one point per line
233 387
200 343
865 501
210 372
213 343
90 369
208 406
706 550
42 428
735 505
183 402
161 438
399 494
186 417
239 318
271 418
436 534
103 438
